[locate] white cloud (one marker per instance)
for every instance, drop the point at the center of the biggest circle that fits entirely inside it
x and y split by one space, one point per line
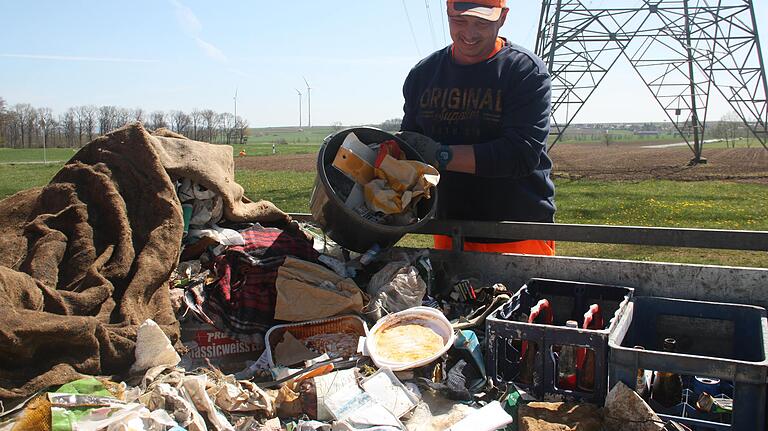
193 28
187 19
334 61
210 50
79 58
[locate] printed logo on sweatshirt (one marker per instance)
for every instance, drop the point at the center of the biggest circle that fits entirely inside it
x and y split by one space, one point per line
462 112
461 103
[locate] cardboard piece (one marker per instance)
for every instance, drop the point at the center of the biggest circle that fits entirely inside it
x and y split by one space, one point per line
329 384
355 160
291 351
384 387
226 351
625 410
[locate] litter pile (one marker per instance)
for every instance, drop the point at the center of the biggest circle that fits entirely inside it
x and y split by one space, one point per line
140 290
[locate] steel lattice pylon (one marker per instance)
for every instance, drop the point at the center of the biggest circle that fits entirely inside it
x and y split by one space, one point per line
681 49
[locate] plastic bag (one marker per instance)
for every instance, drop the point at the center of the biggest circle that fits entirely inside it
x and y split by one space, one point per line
396 287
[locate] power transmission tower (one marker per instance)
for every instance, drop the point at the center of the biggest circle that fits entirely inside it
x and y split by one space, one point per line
682 50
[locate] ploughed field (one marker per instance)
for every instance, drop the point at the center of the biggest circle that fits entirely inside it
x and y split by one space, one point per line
618 162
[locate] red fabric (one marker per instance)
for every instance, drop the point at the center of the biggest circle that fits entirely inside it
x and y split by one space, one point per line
243 299
537 247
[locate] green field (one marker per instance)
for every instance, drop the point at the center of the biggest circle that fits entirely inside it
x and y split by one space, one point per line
289 135
266 149
9 155
713 204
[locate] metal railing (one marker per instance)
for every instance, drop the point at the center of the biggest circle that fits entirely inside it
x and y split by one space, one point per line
635 235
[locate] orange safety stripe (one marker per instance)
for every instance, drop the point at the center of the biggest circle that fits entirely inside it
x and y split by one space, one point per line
537 247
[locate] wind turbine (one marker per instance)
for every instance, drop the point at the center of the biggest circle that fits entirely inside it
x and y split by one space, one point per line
309 104
299 93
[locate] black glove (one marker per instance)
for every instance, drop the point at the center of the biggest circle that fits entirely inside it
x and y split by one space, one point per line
424 145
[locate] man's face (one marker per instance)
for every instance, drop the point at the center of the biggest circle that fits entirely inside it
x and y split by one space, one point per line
473 38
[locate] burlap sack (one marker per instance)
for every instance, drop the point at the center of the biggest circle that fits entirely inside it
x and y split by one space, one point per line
86 259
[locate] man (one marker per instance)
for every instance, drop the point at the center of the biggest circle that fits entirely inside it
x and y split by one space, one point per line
479 110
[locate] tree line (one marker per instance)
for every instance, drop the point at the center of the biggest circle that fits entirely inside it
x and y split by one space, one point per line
24 126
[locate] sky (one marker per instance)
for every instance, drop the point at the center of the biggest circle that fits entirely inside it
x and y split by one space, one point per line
187 54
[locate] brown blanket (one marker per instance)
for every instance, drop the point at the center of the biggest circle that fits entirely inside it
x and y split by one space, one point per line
86 259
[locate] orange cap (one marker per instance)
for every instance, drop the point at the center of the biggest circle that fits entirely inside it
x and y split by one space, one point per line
486 9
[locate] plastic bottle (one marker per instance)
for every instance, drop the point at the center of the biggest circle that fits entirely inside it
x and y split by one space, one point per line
370 255
566 363
585 358
667 387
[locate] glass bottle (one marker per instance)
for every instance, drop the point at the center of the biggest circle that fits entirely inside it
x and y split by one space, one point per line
585 358
641 384
541 313
566 362
667 387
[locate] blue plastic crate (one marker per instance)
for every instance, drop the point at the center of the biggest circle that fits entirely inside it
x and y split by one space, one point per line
717 340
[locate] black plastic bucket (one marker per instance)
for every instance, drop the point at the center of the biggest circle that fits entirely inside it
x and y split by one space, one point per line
341 223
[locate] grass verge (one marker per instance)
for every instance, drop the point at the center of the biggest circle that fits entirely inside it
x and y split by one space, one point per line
712 205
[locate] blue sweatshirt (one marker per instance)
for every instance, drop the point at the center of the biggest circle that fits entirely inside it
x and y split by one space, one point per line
500 106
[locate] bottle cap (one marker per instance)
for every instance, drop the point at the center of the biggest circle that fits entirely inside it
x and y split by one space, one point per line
670 344
572 324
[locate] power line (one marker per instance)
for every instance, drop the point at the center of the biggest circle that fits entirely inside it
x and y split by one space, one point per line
410 25
431 26
442 22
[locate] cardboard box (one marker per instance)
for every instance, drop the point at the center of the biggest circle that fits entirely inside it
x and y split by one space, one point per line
228 352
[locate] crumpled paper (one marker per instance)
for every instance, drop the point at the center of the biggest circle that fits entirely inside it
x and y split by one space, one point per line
241 396
399 185
194 387
166 397
307 291
207 206
189 397
153 348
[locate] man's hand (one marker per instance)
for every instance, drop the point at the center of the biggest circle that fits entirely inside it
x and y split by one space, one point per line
424 145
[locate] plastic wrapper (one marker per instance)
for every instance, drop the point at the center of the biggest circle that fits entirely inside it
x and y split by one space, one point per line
396 287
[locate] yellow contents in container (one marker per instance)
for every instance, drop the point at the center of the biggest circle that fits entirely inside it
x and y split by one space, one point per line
408 343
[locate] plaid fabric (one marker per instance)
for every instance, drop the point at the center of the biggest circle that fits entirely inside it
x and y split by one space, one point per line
243 298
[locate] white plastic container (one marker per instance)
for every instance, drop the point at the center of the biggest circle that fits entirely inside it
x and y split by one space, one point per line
424 316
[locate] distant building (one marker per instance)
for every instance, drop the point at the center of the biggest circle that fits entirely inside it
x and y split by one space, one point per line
647 133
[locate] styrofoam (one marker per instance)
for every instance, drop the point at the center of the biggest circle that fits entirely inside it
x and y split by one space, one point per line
425 316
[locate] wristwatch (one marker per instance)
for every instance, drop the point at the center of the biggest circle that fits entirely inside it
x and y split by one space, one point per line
443 155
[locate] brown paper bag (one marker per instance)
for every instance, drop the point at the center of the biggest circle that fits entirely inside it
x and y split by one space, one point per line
306 291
